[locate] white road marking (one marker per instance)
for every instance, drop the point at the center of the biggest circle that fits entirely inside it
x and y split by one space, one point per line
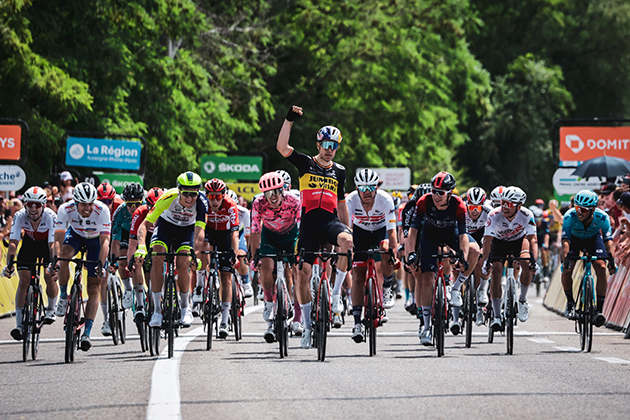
612 360
567 349
541 340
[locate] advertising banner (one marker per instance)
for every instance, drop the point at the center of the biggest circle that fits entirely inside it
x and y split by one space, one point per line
247 168
584 143
247 189
120 181
103 153
393 178
12 178
10 142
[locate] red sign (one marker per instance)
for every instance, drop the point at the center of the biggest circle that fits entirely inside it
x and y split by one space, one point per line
584 143
10 141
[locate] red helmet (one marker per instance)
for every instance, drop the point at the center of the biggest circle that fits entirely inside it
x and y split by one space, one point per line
106 191
271 181
539 201
443 181
154 195
215 186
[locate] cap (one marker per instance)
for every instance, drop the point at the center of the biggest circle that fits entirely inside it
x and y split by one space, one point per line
624 200
65 176
608 189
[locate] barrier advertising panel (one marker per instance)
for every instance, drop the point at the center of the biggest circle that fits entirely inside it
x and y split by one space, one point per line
584 143
10 142
103 153
247 168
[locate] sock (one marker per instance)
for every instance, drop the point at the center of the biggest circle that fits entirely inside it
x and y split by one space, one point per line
356 313
483 285
461 279
455 313
600 303
569 295
341 276
268 294
88 326
225 312
105 312
18 316
52 302
306 312
157 302
400 285
387 281
200 278
407 294
185 298
426 315
139 291
349 295
63 288
127 283
523 297
297 310
496 307
447 279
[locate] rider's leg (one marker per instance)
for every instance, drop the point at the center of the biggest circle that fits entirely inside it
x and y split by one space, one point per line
358 292
303 292
344 239
496 290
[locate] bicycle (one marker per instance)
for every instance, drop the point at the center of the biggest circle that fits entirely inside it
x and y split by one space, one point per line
237 308
117 314
33 310
74 319
211 299
321 312
282 301
469 309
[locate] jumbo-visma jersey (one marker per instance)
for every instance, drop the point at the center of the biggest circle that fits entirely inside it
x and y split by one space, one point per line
320 187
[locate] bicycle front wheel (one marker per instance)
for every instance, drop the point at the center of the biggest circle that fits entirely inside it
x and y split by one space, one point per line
27 328
234 310
121 316
72 321
169 314
112 311
490 315
439 318
323 314
371 314
280 319
469 308
589 313
37 321
509 317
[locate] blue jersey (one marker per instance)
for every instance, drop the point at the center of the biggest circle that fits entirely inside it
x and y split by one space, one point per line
572 226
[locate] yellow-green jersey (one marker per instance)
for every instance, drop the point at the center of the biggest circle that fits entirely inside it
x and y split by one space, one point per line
169 208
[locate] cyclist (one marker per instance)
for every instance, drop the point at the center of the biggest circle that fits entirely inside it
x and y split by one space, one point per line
136 221
179 216
85 221
38 224
478 209
288 182
244 229
587 227
324 212
496 195
443 216
274 230
222 224
373 227
510 229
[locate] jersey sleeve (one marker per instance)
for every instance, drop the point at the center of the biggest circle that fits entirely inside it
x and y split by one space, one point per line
117 222
16 227
62 219
162 204
390 213
530 228
460 215
246 222
105 222
606 229
51 231
341 185
490 229
567 223
233 214
421 209
256 216
136 221
300 160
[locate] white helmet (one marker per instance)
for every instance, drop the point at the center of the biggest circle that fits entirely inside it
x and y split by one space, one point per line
232 195
366 177
84 193
496 195
514 195
35 195
476 196
286 177
536 211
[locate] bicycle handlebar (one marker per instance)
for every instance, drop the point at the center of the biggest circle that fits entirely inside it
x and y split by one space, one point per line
324 256
275 257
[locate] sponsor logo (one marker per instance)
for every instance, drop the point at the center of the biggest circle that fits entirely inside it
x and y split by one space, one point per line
76 151
209 167
574 143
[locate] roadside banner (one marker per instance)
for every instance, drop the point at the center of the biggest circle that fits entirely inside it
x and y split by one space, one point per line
247 189
119 181
103 153
393 178
584 143
10 142
242 168
12 178
567 185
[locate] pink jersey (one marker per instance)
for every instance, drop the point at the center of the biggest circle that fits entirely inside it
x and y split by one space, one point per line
279 220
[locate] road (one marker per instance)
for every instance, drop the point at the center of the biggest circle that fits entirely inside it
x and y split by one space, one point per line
547 377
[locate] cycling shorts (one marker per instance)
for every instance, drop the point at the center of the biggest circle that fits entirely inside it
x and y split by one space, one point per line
364 240
93 246
170 236
319 227
124 239
594 246
31 250
430 247
500 249
478 237
274 243
221 240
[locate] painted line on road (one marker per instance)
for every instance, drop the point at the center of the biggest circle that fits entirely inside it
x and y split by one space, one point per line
567 349
541 340
613 360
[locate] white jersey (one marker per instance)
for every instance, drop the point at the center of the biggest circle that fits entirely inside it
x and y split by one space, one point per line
382 214
473 226
499 227
91 227
244 222
44 231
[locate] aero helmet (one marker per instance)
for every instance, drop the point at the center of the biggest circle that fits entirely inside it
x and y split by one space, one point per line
286 177
421 190
329 132
232 195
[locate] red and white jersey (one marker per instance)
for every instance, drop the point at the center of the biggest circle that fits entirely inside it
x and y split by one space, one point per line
501 228
44 231
381 215
473 226
99 222
225 218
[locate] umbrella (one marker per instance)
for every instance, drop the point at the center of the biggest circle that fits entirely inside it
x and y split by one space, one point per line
603 166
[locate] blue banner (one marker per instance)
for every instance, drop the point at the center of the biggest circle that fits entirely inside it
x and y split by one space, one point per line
103 153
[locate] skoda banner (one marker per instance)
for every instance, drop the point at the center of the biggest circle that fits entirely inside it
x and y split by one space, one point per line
231 167
120 181
103 153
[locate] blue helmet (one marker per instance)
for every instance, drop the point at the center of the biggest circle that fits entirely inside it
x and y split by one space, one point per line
586 198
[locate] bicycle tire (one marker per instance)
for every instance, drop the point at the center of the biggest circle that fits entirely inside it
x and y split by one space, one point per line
121 316
490 315
150 330
71 323
372 318
509 317
590 312
469 307
26 323
112 310
255 286
323 321
169 313
234 310
37 322
438 321
279 320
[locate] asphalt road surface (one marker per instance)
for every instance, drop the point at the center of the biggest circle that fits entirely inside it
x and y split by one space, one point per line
546 377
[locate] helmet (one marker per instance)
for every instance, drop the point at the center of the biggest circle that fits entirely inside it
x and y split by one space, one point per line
496 195
133 192
84 193
106 191
396 194
154 195
540 201
270 181
514 195
586 198
365 178
536 211
397 201
476 196
232 195
286 177
421 190
412 189
35 195
215 186
188 180
329 133
443 181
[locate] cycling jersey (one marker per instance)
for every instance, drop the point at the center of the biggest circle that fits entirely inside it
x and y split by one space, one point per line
91 227
121 221
44 231
407 215
382 214
225 218
451 220
136 220
501 228
244 225
280 220
320 187
476 227
571 226
169 208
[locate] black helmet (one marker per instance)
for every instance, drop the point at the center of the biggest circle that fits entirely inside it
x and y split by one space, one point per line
133 192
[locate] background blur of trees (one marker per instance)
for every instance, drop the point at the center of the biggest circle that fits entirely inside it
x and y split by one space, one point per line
470 86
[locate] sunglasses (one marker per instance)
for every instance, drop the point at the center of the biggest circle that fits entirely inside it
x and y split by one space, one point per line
134 203
272 193
33 204
582 209
106 201
330 145
473 208
215 197
189 194
440 193
508 204
367 188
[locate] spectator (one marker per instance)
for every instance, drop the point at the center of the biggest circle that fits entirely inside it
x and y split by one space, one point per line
66 186
6 220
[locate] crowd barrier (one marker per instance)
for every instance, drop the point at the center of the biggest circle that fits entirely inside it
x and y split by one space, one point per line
617 305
